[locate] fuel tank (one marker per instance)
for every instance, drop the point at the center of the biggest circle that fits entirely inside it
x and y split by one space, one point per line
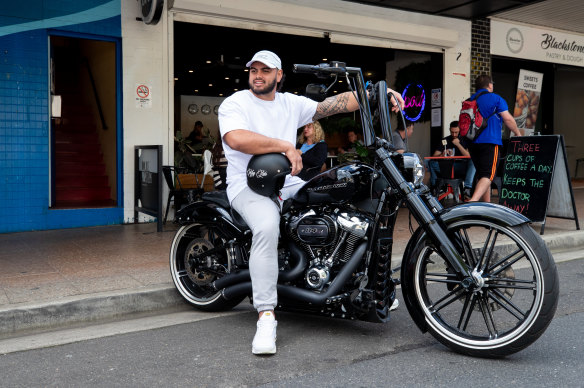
353 183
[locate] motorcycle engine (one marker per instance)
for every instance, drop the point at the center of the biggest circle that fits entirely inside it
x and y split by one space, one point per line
329 238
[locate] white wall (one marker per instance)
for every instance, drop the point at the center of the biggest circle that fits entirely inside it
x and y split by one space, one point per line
144 61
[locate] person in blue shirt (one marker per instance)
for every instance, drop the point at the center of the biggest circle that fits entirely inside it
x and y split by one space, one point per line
484 151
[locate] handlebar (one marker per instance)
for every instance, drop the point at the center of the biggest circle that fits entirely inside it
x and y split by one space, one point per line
324 70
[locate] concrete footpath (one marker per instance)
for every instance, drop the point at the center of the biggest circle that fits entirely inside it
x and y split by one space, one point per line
57 278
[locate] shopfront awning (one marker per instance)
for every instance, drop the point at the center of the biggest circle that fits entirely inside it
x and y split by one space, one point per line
345 22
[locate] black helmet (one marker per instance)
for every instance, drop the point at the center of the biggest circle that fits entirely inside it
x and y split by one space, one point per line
266 173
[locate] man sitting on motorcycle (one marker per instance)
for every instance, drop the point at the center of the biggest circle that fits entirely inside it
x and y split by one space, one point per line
261 120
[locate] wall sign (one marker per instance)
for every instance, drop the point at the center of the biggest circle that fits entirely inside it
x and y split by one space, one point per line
527 100
143 96
151 10
414 101
538 44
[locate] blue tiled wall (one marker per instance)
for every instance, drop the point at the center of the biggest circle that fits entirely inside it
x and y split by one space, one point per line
24 111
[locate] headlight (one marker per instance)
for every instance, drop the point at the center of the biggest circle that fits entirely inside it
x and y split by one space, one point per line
411 167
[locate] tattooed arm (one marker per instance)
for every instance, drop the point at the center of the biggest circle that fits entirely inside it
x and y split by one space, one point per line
346 102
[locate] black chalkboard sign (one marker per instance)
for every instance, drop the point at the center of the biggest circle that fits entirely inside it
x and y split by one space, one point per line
535 180
148 182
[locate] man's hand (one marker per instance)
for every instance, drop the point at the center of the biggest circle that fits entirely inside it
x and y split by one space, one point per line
456 141
296 160
393 101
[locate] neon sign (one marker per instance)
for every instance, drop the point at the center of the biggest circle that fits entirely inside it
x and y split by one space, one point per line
414 102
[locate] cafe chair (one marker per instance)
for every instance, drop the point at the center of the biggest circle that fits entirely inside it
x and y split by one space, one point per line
176 191
207 166
193 164
447 184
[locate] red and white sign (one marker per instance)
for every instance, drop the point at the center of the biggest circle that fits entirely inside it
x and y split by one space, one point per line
143 96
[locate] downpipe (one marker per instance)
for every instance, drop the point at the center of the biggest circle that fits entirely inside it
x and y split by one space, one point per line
303 295
297 256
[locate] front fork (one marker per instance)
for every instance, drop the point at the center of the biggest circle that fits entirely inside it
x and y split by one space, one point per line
425 216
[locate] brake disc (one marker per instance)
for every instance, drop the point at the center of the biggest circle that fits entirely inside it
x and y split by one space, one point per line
196 272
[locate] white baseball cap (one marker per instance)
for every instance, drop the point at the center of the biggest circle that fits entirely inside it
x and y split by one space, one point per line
266 57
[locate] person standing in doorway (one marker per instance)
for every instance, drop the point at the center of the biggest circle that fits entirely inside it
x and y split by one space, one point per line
484 151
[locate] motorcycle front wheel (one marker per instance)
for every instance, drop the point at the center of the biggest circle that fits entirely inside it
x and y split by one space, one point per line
193 279
509 305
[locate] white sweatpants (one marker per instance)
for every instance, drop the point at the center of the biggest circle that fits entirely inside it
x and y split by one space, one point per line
263 218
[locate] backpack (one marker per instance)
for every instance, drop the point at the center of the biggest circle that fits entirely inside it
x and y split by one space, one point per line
470 121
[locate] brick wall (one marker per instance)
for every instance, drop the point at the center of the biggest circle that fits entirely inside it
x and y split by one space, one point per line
480 55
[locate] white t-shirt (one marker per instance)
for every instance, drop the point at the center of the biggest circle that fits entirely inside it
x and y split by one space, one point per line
277 119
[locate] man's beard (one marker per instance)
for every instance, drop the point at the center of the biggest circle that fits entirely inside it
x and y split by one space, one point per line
266 89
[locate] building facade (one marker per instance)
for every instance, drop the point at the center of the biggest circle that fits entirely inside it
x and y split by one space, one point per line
98 72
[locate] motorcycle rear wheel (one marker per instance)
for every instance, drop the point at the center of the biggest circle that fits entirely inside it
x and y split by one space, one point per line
512 304
194 284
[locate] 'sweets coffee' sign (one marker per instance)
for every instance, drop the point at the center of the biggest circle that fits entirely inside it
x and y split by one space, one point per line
518 41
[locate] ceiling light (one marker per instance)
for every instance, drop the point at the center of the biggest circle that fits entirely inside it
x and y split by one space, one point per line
226 77
220 94
211 85
196 90
324 59
176 79
190 71
207 61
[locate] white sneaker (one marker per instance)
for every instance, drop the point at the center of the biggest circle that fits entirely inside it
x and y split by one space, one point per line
394 305
264 341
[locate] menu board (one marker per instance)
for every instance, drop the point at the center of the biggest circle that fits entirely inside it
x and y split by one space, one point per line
535 179
529 163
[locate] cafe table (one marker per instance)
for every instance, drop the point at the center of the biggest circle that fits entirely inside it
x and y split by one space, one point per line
446 164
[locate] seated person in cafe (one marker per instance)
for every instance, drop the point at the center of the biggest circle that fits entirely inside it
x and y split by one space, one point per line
313 150
353 140
196 135
453 145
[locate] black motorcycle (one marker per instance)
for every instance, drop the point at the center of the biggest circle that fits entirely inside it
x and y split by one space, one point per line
476 275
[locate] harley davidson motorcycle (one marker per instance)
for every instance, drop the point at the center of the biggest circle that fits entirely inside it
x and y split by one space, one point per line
475 275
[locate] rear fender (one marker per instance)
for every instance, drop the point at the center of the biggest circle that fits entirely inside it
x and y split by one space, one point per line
494 213
208 213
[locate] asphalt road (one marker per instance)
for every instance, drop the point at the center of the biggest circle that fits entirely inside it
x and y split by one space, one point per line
205 350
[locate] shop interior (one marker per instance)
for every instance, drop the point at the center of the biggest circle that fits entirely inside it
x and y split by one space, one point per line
209 65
